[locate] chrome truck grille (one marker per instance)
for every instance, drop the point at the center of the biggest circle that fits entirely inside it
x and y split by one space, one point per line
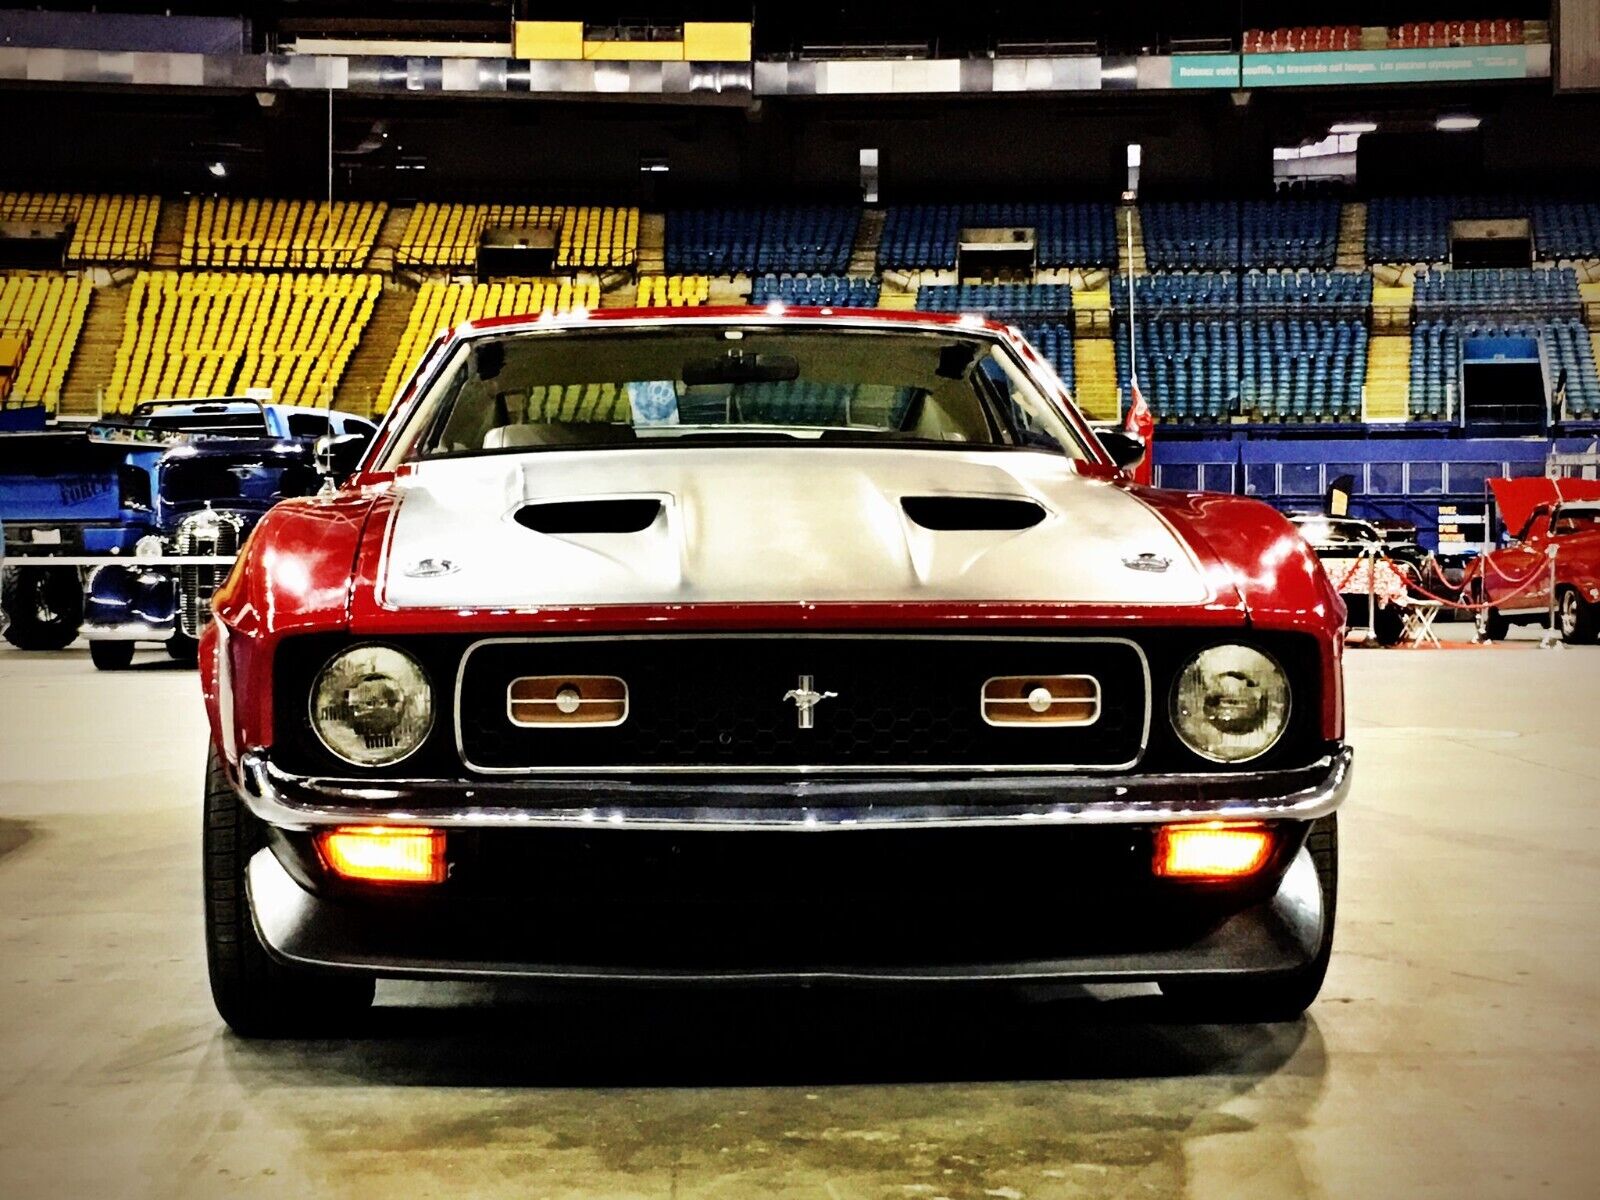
203 534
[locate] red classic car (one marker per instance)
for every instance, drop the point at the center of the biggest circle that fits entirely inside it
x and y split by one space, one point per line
1513 582
761 645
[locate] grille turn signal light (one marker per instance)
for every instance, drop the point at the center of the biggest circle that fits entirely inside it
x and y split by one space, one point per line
384 853
1211 851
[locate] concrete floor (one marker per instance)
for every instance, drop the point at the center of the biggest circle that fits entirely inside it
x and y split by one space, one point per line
1455 1051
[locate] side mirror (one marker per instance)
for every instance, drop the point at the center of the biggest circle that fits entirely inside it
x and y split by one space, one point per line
338 457
1124 448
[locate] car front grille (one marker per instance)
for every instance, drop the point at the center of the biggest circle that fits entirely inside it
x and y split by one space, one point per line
204 534
726 703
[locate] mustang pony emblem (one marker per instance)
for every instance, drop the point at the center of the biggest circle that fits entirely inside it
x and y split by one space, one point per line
806 698
1154 563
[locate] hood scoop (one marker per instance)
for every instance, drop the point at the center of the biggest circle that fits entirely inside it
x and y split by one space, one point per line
564 517
946 514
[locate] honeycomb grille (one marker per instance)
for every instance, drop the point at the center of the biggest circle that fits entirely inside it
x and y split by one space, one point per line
725 703
206 534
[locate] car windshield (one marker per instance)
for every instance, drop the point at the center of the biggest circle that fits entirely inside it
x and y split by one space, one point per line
573 389
1576 520
1325 531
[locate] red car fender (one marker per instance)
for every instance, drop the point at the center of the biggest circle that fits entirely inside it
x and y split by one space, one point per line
293 574
1260 555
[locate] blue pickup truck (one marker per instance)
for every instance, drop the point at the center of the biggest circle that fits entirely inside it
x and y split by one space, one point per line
149 513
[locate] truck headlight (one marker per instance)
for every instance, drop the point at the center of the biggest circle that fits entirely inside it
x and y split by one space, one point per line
1230 703
372 706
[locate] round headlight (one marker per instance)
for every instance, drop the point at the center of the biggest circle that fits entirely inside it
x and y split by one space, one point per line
1230 704
372 706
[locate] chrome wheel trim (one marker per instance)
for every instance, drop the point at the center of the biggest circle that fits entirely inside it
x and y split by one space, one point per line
1569 612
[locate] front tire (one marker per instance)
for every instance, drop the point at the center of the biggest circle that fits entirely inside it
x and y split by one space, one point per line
255 994
111 656
1580 622
182 648
45 606
1284 996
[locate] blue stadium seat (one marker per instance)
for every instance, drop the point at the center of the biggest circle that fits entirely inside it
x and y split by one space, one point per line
1023 303
727 241
815 291
918 237
1055 342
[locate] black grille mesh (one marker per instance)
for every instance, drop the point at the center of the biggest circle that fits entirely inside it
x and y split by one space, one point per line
719 702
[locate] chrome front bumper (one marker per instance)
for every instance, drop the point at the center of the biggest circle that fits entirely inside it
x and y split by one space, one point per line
676 803
128 631
1272 929
297 927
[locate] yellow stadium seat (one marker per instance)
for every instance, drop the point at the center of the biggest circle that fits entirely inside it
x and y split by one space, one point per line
209 333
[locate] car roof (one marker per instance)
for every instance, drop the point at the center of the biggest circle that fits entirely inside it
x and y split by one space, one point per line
775 315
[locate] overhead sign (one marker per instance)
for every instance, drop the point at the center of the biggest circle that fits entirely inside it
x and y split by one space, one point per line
1327 68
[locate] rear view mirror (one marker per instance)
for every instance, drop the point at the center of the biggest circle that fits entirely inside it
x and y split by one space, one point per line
338 457
1124 448
736 367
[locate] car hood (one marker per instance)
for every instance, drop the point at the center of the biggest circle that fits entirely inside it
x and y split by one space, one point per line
727 524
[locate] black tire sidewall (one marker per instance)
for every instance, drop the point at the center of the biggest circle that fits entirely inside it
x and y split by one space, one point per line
20 591
254 993
111 656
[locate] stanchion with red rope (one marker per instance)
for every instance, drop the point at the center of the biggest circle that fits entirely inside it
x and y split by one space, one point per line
1407 581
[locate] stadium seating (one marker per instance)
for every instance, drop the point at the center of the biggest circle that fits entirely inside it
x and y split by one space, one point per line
1300 38
593 236
728 241
218 333
1313 293
1428 34
1264 368
1222 234
1566 230
1153 294
105 228
840 291
1187 367
1018 302
1436 361
1497 293
1416 229
1303 369
49 310
673 291
920 237
219 231
447 235
1054 341
441 305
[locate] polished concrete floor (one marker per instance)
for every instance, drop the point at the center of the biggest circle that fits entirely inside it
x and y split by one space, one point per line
1455 1051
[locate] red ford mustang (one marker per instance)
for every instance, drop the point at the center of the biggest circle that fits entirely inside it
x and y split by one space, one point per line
754 645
